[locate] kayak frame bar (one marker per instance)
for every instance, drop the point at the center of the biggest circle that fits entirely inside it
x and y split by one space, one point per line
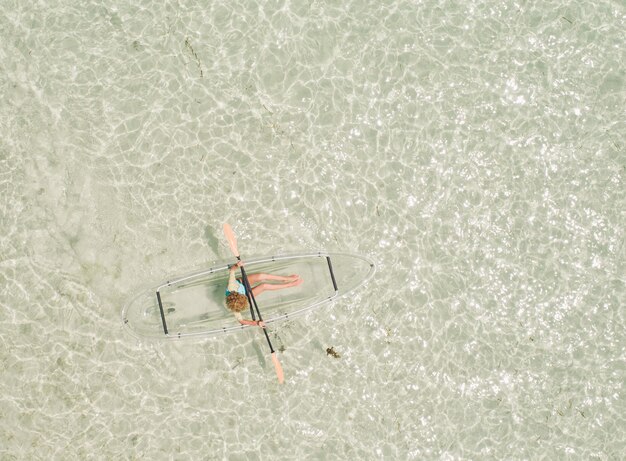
332 274
158 295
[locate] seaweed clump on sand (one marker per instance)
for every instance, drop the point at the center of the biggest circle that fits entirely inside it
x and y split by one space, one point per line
332 352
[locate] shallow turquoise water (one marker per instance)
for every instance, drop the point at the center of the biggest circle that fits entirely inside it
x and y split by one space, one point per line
474 150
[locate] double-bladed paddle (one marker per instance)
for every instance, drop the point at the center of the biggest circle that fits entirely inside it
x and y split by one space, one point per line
232 242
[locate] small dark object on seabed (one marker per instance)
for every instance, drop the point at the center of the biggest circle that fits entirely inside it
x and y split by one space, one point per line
331 351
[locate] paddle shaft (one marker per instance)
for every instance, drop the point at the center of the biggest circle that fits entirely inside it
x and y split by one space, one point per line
252 302
232 242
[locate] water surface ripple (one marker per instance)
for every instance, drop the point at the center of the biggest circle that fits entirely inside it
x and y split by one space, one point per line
474 150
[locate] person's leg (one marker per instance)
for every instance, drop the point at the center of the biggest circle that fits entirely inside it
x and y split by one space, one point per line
257 290
255 278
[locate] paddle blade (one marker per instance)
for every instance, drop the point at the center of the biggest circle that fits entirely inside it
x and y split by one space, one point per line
232 240
279 368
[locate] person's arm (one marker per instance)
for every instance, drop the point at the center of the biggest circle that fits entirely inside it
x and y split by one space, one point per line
254 323
232 282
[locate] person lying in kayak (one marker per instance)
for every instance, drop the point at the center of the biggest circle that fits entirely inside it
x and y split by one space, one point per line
236 299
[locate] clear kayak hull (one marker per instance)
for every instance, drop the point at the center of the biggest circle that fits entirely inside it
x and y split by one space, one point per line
192 305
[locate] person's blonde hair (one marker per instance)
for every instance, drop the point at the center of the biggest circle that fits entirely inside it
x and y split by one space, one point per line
236 302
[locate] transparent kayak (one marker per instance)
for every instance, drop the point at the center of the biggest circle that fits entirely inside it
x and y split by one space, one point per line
192 305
